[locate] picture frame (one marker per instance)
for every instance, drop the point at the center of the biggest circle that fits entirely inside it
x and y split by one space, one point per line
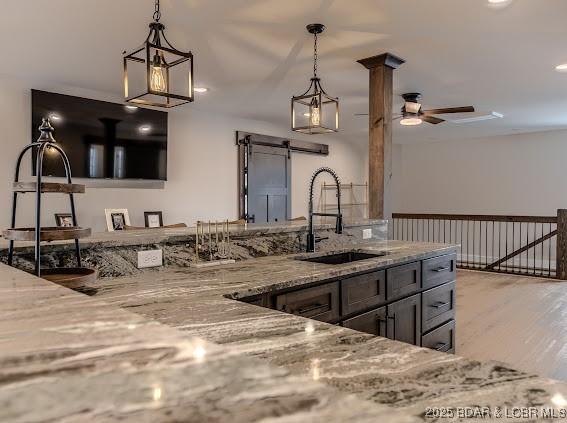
153 219
117 219
64 220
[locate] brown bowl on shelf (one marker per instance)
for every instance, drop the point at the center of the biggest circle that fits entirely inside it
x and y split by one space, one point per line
70 277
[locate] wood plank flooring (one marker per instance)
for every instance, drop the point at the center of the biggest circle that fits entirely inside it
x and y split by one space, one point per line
518 320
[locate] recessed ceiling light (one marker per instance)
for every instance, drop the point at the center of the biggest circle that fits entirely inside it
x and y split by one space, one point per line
54 117
499 3
200 89
145 128
306 114
132 107
561 68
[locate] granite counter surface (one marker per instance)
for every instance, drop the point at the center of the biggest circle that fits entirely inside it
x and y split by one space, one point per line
406 378
163 235
259 363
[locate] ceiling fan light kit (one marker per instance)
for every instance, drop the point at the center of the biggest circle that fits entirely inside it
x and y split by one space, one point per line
156 73
314 111
413 114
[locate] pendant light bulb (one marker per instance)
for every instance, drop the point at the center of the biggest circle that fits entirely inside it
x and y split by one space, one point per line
315 113
157 77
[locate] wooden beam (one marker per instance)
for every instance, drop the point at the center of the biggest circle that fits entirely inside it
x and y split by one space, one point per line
380 130
561 253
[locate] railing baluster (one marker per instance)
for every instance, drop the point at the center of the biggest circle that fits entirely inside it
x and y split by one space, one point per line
501 250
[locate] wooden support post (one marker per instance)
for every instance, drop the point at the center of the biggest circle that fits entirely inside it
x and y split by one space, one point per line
561 253
380 129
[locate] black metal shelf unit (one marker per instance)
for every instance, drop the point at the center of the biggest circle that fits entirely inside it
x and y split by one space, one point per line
46 143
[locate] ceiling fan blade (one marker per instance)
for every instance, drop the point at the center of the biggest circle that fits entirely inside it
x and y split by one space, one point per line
465 109
432 119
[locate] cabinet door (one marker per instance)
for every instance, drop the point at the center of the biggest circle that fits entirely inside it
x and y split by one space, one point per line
441 339
373 322
318 303
438 306
363 292
439 270
403 280
404 320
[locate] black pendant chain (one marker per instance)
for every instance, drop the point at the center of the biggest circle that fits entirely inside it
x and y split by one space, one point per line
315 57
157 13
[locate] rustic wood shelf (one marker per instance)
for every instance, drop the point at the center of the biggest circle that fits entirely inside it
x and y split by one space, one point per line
70 277
47 233
56 187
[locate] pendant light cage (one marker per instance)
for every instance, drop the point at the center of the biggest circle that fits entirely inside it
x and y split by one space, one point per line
156 73
315 111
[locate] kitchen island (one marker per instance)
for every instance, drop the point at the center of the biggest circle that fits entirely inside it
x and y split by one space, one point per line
180 343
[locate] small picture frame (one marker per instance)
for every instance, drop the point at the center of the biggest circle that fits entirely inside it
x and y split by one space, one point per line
117 219
64 220
153 219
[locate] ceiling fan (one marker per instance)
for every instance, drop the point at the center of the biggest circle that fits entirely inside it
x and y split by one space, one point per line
412 113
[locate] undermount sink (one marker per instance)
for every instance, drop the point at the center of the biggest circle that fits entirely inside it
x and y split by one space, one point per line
341 258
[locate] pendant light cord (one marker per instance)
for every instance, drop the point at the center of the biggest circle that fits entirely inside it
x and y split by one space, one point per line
157 13
315 56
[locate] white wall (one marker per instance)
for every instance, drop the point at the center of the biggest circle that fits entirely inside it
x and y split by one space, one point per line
202 165
523 174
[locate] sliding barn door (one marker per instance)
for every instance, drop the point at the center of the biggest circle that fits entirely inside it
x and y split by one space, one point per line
269 184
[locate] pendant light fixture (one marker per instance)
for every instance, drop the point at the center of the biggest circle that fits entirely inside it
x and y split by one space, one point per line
314 111
156 73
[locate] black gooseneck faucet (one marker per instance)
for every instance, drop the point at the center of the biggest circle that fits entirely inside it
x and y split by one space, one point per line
339 225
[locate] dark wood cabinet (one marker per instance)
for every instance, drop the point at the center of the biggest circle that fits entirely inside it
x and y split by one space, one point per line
439 270
438 306
318 303
411 302
373 322
403 280
404 320
441 339
363 292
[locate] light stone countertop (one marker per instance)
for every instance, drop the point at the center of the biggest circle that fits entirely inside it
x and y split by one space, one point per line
83 358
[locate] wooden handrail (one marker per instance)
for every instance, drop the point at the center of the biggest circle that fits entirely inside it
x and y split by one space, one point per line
476 217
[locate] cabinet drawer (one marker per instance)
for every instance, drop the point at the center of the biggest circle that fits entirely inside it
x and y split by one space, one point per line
403 280
439 270
438 306
373 322
319 303
441 339
363 292
404 320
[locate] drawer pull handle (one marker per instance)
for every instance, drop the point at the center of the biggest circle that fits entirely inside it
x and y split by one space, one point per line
439 304
441 346
442 269
310 308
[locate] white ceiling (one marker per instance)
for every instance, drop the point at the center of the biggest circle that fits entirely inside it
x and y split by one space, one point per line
255 54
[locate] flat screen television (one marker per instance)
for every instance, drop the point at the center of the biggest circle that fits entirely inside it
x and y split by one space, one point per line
101 139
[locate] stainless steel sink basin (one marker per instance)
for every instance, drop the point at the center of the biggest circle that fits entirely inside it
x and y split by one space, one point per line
342 258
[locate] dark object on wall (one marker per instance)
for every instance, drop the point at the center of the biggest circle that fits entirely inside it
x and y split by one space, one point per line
277 149
64 220
103 140
153 219
45 145
314 111
168 72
